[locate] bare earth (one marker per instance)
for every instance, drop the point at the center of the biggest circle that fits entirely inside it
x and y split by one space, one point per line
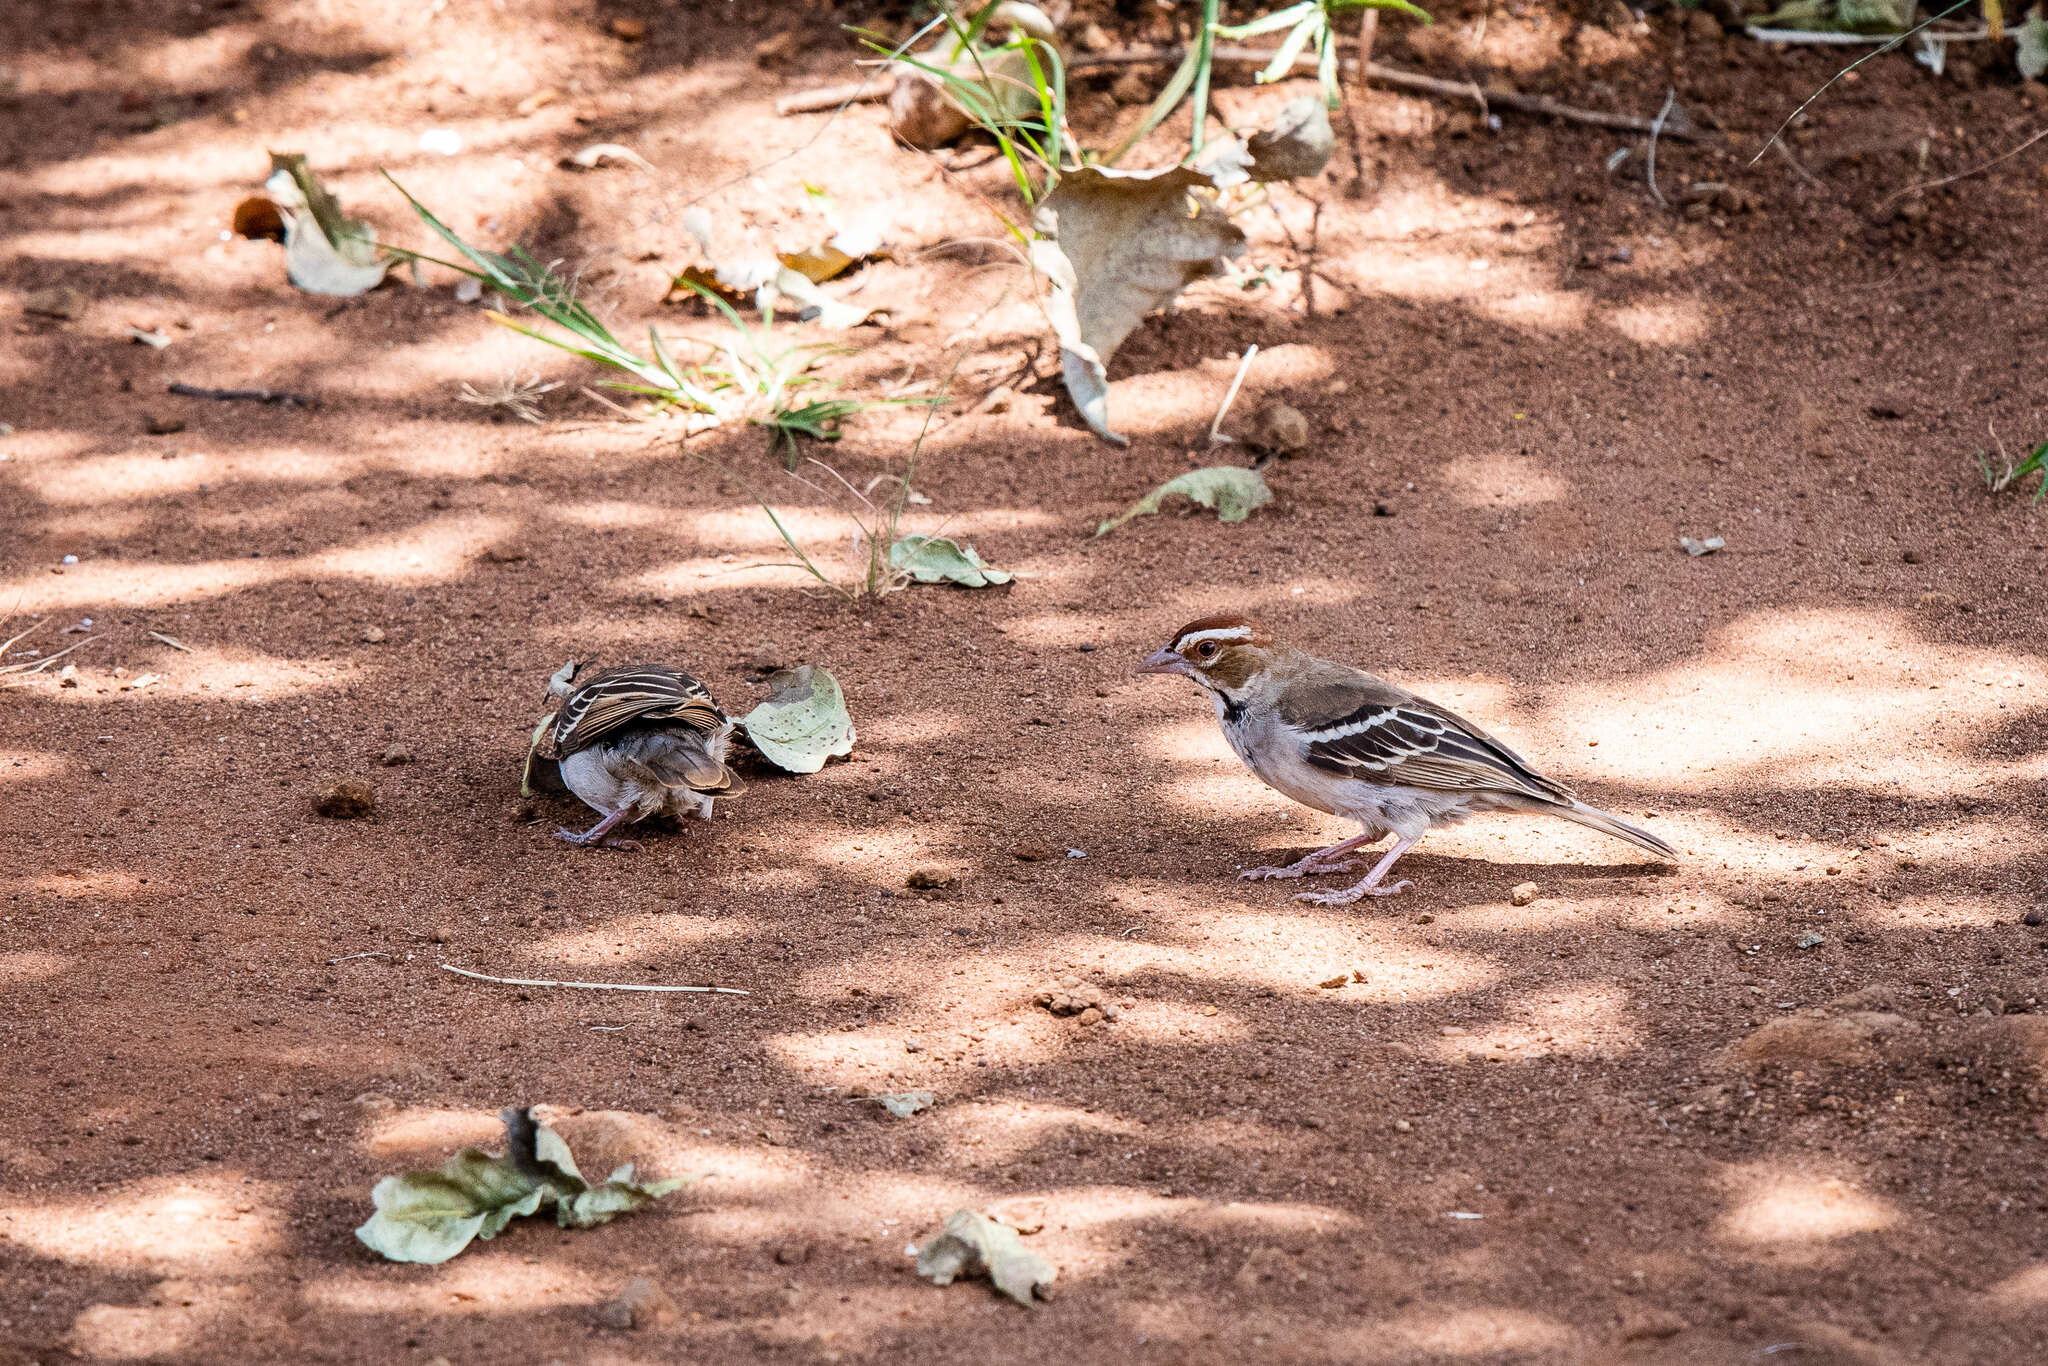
1630 1121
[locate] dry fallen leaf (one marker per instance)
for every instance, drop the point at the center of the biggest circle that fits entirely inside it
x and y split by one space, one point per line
1116 245
974 1244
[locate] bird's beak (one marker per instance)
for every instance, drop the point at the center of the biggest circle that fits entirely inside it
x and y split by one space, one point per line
1164 661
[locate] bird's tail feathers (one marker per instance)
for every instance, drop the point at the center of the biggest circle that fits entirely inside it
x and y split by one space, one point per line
1613 825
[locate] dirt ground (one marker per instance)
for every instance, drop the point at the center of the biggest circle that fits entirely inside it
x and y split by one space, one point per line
1783 1101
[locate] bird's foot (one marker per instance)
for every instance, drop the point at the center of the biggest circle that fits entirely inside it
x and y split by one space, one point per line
599 839
1351 894
1306 868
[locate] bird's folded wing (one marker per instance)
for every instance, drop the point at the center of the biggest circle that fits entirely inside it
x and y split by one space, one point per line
1418 744
619 697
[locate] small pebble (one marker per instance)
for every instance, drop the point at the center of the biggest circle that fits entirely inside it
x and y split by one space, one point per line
162 426
396 755
345 799
373 635
640 1303
1523 893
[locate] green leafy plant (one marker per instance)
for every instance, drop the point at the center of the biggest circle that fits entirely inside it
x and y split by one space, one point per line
1232 490
1308 25
2006 473
745 377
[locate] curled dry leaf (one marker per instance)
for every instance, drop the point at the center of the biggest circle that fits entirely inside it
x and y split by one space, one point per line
803 723
597 153
1116 245
904 1104
937 559
324 253
1297 145
1697 548
973 1244
429 1216
1232 490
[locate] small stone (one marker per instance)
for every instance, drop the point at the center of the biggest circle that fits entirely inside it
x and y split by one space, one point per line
931 879
640 1303
345 799
375 1102
1653 1324
59 301
1000 399
162 426
766 657
1070 996
1702 27
628 30
1523 893
792 1254
1403 1125
1132 88
1622 256
503 554
373 635
396 755
1091 1016
1092 38
1030 853
67 677
1910 556
2034 917
1279 428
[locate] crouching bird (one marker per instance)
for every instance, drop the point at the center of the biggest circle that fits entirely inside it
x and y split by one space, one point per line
1342 741
636 741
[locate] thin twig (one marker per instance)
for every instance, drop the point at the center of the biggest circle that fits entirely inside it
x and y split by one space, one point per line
282 396
871 91
1793 161
1829 38
1368 28
174 644
1230 394
1963 175
47 660
8 644
1656 127
584 986
346 956
1779 131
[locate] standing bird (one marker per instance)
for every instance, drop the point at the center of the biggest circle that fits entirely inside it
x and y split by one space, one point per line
1342 741
636 741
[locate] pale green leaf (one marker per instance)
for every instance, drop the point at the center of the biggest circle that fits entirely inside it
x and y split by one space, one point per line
429 1216
973 1244
936 559
2031 40
1233 490
804 721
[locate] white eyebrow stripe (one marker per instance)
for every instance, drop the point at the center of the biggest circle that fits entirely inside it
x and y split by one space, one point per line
1219 633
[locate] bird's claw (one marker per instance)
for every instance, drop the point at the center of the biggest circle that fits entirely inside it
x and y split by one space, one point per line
1351 894
585 840
1305 868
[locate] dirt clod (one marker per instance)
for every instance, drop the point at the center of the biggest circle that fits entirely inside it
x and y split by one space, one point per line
931 878
640 1303
162 426
395 756
1523 893
345 799
1279 428
1070 996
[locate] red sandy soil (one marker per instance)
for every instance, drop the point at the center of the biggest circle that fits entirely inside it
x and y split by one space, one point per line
1688 1139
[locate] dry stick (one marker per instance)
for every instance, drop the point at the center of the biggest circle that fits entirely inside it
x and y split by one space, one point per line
1230 394
248 395
1368 29
1793 161
832 96
1964 175
1540 105
174 644
1670 94
47 660
346 956
584 986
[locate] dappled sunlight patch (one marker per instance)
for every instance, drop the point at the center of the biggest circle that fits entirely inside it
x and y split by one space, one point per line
169 1225
1939 908
147 475
1195 741
30 965
1808 697
177 1314
99 885
437 551
633 939
1589 1020
1777 1206
31 766
498 1277
1476 1332
1502 479
2025 1290
1666 322
244 675
416 1131
1001 1129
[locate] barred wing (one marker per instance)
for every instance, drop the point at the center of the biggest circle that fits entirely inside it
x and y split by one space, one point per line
620 697
1417 744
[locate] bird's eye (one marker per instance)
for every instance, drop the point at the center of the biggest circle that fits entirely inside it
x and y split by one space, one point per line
1207 649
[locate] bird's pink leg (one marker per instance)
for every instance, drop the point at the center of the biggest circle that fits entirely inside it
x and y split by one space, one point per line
600 834
1371 885
1328 860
